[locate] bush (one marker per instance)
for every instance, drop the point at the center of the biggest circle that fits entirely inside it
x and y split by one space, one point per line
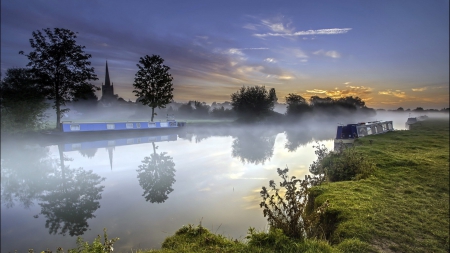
288 211
345 164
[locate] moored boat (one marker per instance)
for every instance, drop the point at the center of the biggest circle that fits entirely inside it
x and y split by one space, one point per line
346 134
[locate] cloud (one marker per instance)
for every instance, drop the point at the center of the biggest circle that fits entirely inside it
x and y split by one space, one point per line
419 89
357 91
396 93
331 53
330 31
271 60
347 83
238 51
250 27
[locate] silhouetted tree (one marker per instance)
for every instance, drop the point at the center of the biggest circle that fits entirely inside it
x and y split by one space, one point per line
252 102
355 102
201 109
296 105
153 83
22 101
156 176
418 109
60 66
186 109
400 109
273 95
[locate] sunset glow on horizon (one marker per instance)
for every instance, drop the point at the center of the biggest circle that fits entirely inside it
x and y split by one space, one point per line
389 53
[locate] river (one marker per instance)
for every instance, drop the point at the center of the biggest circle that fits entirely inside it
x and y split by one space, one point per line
143 187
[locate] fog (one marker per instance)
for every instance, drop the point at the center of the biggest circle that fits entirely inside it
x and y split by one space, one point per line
143 186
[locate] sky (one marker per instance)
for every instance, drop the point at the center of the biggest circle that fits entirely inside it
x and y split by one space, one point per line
389 53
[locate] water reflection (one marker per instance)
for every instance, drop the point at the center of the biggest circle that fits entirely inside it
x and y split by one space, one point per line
156 176
67 197
72 196
253 146
299 136
23 182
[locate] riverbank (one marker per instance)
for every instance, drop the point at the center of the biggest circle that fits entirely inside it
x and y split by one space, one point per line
403 207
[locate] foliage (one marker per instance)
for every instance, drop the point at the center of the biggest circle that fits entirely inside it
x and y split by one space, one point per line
198 239
296 105
274 239
346 163
153 83
22 102
288 211
97 246
221 112
60 66
201 109
253 103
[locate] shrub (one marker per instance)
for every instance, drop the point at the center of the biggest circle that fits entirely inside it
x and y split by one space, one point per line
97 246
287 211
347 163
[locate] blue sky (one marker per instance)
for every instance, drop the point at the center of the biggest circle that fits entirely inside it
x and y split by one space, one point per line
389 53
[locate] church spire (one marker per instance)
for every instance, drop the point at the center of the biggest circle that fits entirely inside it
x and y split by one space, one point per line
107 82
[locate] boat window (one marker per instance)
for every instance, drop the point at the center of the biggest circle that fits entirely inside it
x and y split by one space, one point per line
74 127
129 125
110 126
384 127
390 126
138 125
151 124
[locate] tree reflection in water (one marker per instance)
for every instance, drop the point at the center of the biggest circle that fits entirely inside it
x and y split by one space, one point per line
22 180
296 137
253 147
72 197
68 197
156 176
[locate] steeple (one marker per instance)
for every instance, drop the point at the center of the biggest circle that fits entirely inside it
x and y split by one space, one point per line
107 82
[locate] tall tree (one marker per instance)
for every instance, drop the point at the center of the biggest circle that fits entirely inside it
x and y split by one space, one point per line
253 102
61 67
153 83
22 101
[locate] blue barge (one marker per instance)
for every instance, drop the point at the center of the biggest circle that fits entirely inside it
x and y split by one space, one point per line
348 133
73 127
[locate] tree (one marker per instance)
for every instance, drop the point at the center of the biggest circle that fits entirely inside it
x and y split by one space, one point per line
296 105
22 101
153 83
253 102
60 66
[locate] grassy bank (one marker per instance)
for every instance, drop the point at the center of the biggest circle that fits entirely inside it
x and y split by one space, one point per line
403 207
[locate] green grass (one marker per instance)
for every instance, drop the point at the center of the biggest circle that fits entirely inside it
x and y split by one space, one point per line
404 206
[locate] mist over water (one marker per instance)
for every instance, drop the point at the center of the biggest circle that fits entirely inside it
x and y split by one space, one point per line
143 187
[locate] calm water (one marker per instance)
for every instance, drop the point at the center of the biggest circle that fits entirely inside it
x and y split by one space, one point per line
144 188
